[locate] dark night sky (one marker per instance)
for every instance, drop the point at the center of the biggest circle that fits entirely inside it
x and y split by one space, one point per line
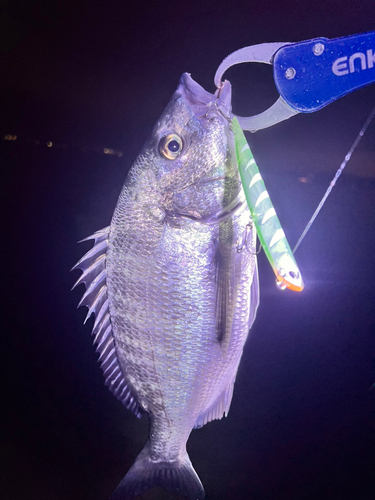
98 74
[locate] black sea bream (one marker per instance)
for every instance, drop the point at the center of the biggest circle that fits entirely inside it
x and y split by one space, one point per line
173 284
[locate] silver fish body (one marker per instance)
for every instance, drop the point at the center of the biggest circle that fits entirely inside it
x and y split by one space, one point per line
179 285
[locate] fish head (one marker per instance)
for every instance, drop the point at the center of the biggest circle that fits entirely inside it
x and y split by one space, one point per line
192 152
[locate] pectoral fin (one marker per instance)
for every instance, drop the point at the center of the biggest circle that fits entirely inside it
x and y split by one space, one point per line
225 295
254 296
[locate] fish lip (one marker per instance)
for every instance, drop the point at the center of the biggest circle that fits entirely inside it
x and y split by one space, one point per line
199 100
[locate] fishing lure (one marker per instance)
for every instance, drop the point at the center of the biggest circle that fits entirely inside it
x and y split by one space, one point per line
263 213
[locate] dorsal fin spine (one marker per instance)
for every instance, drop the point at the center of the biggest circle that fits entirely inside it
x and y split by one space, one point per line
102 331
103 338
98 280
100 247
100 314
97 302
113 377
119 390
108 349
100 327
106 368
99 262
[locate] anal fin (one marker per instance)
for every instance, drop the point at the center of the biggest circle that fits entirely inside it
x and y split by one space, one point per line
218 409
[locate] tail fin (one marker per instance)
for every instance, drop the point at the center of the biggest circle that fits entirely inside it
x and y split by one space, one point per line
177 476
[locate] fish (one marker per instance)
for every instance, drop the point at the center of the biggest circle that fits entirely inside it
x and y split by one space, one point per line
173 284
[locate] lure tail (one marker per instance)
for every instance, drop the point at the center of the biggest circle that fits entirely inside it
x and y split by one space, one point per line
177 476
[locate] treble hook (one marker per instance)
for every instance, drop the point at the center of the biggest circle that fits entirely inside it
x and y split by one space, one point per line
248 228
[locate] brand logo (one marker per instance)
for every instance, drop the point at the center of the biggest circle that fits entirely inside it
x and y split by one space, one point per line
344 65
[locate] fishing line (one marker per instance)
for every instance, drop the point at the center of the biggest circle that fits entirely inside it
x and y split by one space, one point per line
337 175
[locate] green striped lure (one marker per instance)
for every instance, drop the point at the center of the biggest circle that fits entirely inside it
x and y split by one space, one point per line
269 230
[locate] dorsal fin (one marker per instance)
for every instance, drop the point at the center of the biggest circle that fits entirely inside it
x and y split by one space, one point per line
93 265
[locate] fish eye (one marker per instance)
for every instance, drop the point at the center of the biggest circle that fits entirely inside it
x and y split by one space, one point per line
170 146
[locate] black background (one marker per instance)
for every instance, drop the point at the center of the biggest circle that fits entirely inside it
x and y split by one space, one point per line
94 75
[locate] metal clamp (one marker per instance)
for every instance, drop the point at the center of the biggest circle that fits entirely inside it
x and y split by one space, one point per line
262 53
309 75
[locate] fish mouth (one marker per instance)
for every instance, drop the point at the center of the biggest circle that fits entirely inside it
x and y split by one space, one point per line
202 102
206 107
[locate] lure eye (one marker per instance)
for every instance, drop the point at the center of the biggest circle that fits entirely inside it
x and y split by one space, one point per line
294 274
170 146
